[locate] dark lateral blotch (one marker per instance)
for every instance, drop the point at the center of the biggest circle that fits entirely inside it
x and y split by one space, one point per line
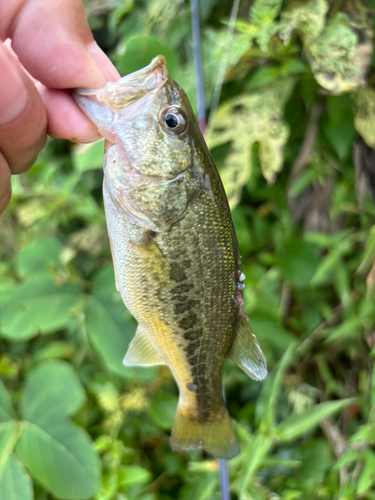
192 387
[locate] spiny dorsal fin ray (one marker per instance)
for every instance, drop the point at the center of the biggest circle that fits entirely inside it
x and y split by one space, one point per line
246 351
141 352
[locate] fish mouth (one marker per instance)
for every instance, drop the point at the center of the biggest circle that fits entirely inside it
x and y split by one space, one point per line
127 89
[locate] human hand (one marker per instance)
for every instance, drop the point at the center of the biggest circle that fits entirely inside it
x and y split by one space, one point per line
55 46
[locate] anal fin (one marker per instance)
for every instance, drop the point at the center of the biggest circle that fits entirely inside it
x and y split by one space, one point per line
246 351
141 352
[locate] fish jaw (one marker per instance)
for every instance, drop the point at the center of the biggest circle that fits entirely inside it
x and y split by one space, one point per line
100 105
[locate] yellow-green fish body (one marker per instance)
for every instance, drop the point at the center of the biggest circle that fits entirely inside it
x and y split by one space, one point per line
175 252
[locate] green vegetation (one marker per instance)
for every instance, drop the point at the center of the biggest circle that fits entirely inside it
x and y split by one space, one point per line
292 138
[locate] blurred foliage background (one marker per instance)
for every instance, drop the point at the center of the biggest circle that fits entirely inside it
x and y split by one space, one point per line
294 140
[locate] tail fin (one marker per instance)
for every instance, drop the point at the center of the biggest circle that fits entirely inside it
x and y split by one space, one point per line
215 436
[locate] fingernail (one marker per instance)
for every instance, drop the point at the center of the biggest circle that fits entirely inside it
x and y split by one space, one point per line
104 63
13 95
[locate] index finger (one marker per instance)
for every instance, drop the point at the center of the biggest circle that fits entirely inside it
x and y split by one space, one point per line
55 45
53 42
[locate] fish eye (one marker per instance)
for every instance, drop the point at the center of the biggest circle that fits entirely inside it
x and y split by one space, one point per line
171 120
174 121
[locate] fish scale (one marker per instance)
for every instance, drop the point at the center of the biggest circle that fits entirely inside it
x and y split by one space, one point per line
204 287
174 248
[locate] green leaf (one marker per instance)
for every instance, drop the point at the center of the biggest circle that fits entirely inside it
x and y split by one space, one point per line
296 425
303 181
107 338
349 328
369 252
265 107
263 76
342 283
298 262
367 478
37 256
61 456
364 120
316 458
341 136
323 240
372 396
328 263
163 408
52 389
255 454
8 432
133 474
308 17
339 109
264 11
15 483
108 329
88 156
269 329
266 405
56 349
57 452
6 410
140 50
338 59
37 306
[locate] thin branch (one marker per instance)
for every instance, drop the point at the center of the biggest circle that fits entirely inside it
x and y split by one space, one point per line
285 299
338 443
334 436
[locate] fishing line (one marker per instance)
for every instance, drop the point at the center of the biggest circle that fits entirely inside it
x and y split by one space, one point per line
223 63
223 470
224 479
201 112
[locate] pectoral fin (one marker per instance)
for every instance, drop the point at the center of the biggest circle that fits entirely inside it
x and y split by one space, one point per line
141 352
153 259
246 351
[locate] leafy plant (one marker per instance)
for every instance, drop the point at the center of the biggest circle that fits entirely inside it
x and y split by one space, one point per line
293 140
57 452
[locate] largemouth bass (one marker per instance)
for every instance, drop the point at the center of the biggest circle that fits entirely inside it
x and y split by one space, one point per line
175 252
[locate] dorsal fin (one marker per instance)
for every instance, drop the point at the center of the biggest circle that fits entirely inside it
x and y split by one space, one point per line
246 351
141 352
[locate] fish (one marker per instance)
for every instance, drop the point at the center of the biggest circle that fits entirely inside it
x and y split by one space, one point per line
175 252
